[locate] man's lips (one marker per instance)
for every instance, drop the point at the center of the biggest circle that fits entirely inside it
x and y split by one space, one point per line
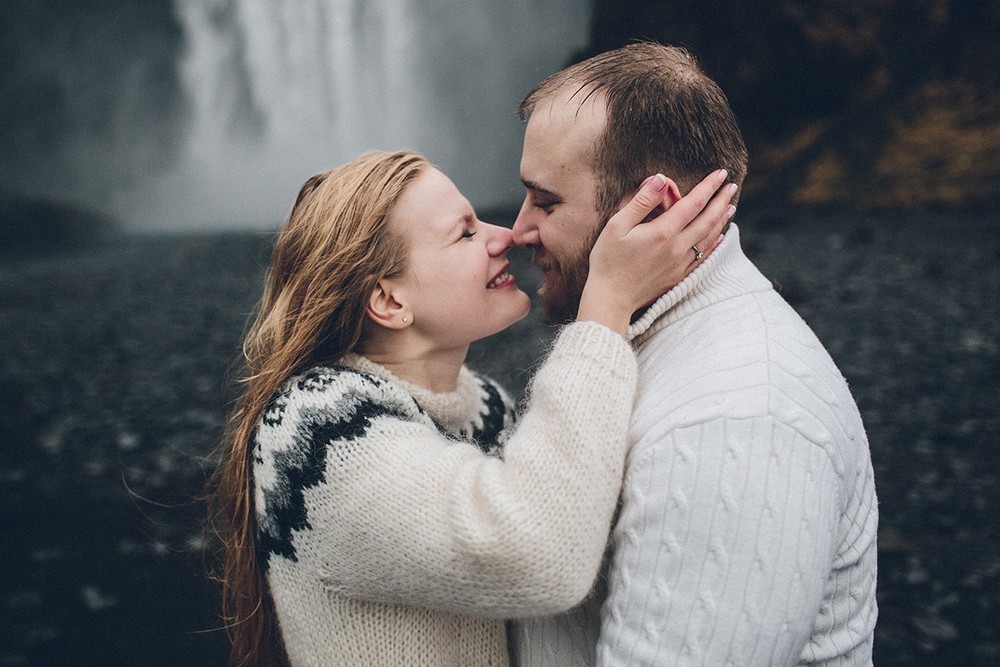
543 262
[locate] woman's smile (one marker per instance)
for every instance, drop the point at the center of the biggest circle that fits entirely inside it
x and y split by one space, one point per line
503 279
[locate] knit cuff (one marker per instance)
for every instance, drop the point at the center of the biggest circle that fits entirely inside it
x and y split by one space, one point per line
596 350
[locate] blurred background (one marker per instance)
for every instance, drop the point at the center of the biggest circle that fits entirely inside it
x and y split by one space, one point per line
149 149
182 114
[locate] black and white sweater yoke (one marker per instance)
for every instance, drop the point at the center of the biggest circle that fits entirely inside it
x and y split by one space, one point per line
328 411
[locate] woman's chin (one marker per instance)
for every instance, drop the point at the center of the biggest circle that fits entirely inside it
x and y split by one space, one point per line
525 308
514 319
522 314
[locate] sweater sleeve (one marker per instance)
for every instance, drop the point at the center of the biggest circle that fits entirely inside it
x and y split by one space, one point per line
726 532
405 515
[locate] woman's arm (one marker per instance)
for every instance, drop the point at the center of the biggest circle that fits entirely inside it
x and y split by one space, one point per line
400 513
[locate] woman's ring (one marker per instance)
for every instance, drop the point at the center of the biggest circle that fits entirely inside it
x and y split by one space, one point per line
697 253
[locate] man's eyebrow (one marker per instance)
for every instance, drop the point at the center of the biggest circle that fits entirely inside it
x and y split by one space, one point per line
531 185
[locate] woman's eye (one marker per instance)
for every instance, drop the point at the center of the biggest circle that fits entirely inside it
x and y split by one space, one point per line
468 234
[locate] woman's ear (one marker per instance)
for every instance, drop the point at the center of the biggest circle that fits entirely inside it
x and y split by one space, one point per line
383 308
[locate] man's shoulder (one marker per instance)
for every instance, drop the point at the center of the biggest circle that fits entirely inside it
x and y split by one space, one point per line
713 339
755 331
751 357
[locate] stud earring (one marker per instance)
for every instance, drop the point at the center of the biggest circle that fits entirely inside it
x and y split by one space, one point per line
405 318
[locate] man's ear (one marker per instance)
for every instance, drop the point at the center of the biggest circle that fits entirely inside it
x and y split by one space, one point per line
383 308
671 195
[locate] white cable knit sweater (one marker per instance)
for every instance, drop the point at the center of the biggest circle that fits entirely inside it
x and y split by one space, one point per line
747 529
390 538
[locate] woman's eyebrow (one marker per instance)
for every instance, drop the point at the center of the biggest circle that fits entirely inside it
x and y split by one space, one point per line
462 222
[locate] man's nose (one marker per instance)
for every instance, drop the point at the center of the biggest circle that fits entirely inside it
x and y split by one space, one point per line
525 230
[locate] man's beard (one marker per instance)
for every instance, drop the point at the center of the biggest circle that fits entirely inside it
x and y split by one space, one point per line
561 291
563 284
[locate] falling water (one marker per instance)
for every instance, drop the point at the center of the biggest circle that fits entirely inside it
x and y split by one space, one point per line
279 90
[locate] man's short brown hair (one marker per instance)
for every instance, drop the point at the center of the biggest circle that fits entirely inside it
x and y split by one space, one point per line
664 114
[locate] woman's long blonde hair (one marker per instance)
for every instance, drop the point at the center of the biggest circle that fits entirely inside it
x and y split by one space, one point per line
335 245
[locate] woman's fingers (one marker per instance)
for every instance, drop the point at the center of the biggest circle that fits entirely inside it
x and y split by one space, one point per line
633 263
715 214
688 230
688 210
645 201
692 225
707 242
709 216
702 250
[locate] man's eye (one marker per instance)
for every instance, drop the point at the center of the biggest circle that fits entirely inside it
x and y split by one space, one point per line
546 205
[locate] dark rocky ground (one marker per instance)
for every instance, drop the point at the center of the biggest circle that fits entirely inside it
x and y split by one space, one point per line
112 396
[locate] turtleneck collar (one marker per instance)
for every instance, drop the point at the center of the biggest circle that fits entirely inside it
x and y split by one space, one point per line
724 274
452 409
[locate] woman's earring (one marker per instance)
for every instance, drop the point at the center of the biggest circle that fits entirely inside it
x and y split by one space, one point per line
405 318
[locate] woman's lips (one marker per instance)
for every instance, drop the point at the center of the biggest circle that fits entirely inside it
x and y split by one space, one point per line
503 279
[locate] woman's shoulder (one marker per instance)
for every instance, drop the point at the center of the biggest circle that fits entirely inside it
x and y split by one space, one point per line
331 379
495 413
338 393
492 392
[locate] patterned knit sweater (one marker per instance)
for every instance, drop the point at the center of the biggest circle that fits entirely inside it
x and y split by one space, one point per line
394 530
747 529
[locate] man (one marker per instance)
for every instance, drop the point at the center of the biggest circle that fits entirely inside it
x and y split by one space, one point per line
746 532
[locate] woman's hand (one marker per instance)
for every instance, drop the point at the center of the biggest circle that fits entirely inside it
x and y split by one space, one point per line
636 259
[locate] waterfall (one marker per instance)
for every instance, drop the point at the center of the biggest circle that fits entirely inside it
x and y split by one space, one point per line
279 90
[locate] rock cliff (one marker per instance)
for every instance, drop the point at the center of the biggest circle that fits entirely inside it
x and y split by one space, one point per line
889 105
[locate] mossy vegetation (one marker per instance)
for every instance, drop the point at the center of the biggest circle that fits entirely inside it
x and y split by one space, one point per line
875 105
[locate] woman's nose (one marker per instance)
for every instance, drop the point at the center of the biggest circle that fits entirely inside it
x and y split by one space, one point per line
500 240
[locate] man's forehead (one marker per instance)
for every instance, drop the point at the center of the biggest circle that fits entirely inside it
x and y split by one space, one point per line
561 135
571 110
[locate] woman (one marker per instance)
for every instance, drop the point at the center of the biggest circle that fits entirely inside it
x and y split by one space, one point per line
374 504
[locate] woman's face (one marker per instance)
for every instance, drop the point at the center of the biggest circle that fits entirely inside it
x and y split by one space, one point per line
457 283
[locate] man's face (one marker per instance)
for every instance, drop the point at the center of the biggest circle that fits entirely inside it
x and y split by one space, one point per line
559 219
